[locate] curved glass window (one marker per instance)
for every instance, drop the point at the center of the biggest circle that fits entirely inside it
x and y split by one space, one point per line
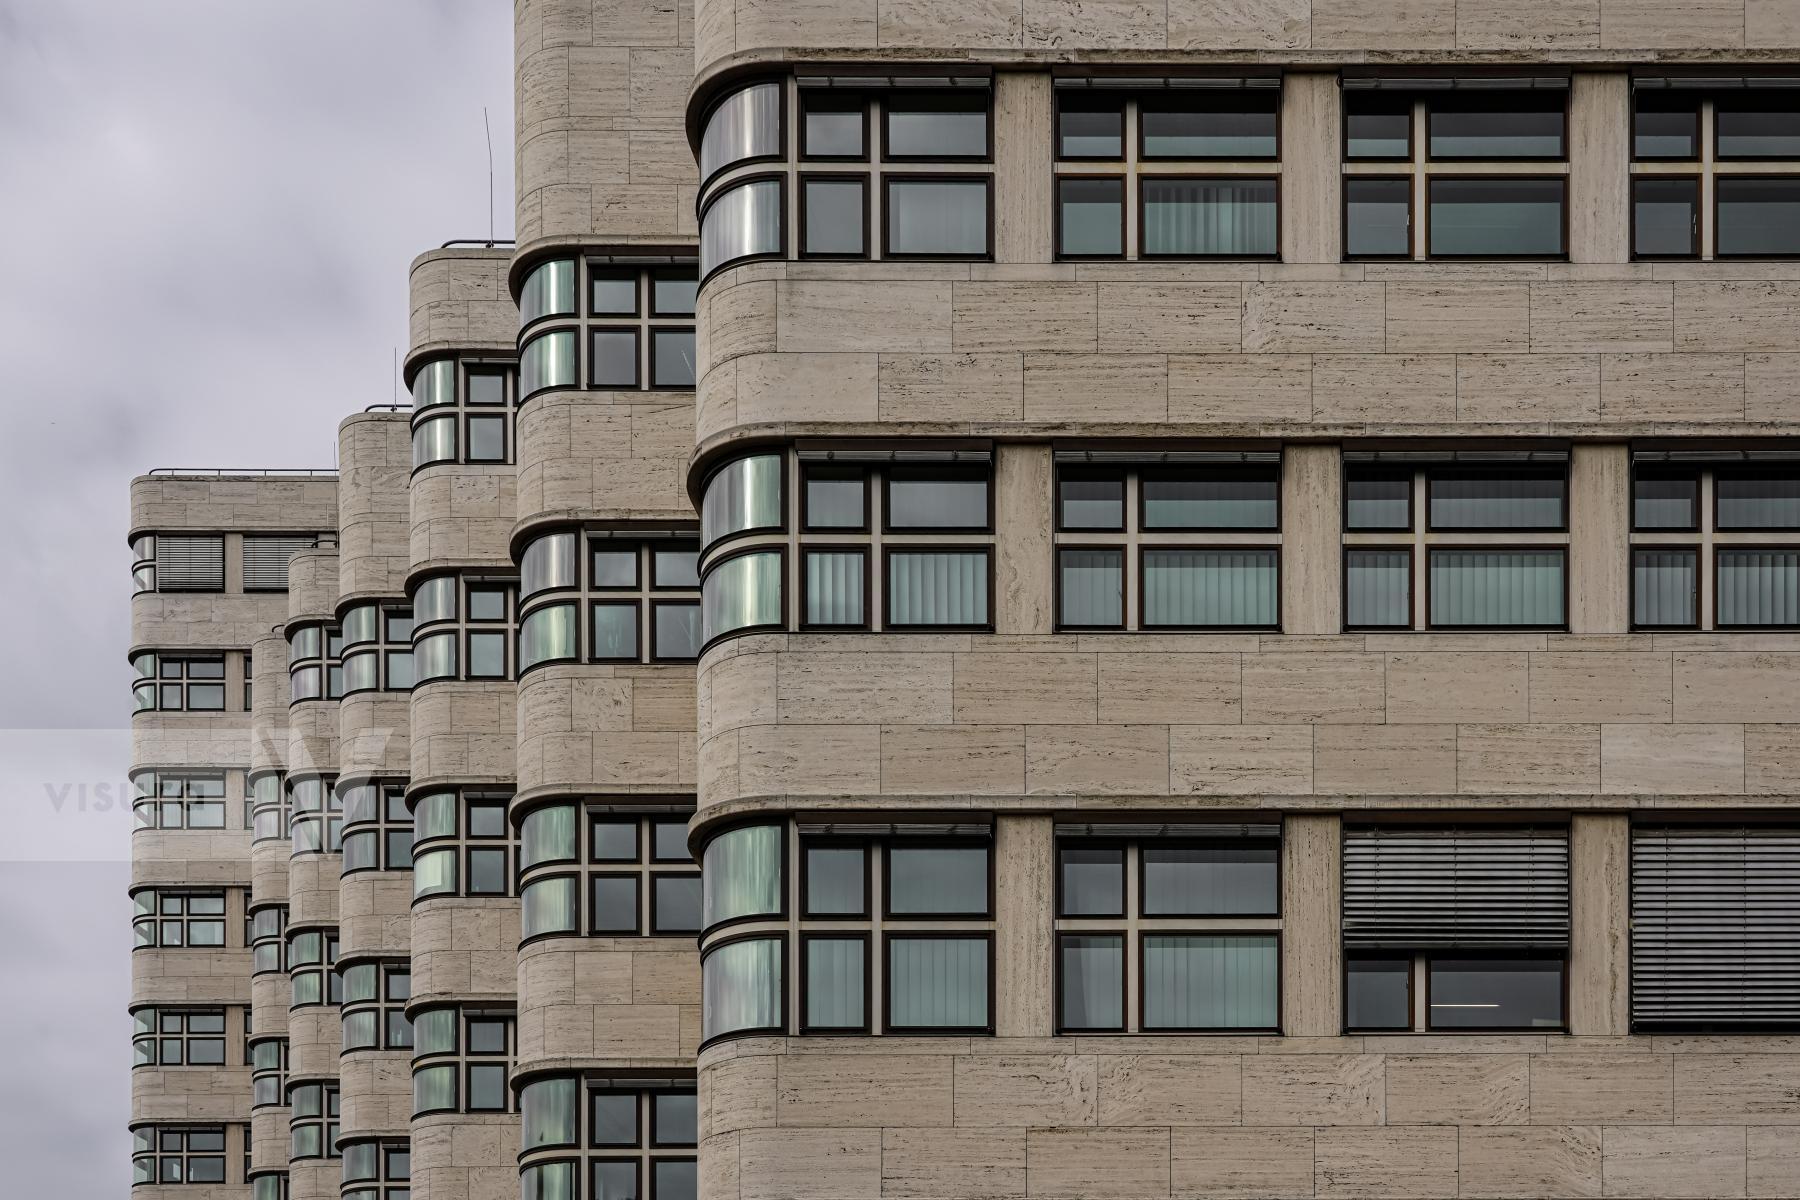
549 562
359 625
741 222
434 1089
549 1112
548 906
548 1181
361 672
434 600
549 291
435 383
742 495
434 816
434 657
745 125
434 441
740 987
548 835
547 361
740 873
547 635
741 593
434 873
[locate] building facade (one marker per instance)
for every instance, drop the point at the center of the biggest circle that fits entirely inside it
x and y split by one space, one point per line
1213 589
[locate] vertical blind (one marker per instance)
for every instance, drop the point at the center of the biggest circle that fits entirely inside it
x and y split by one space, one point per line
1715 926
266 561
1377 588
190 564
1210 587
1209 982
938 982
937 587
834 982
1427 889
1093 976
1209 216
834 587
1093 587
1759 587
1496 587
1664 587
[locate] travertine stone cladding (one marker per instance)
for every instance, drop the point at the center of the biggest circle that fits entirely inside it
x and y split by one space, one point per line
208 503
1097 721
632 1002
468 1156
375 1090
375 470
203 620
462 513
465 948
190 1093
374 738
460 302
269 691
463 730
1632 349
602 154
313 585
626 728
1338 29
605 456
375 914
196 856
190 976
1504 1115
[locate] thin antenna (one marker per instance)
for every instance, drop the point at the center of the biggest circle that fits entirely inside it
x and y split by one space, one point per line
396 375
487 129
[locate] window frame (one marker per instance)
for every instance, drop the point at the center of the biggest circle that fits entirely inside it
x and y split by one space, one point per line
891 936
888 553
1693 252
1062 254
1412 218
862 180
886 180
1145 254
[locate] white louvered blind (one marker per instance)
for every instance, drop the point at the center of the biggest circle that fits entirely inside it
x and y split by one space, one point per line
266 561
1715 927
190 564
1423 889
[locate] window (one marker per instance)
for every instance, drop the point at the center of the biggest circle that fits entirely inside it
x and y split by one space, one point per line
265 560
179 800
630 343
317 823
462 1059
377 827
377 655
268 1072
312 959
741 222
163 1154
270 816
1715 540
1169 547
315 666
374 1006
176 1037
606 874
1750 173
379 1171
1449 150
1712 909
1493 544
467 406
268 947
172 919
1192 946
891 929
313 1120
1126 149
1455 929
545 361
188 562
462 844
743 495
743 127
641 604
463 627
549 291
179 683
628 1141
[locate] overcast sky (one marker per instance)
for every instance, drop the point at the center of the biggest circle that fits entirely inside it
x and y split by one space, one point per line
209 207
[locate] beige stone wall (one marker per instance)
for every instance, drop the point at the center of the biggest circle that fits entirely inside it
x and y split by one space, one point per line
197 856
314 1179
269 1138
463 731
592 728
313 889
604 456
630 1003
269 690
212 503
373 734
375 1090
460 302
188 739
203 620
374 477
602 156
375 914
196 1094
462 514
312 747
464 948
313 585
217 977
315 1039
270 995
465 1157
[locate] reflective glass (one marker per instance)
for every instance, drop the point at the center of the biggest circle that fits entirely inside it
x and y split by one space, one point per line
1757 125
1665 125
835 971
834 880
1210 587
1217 499
1092 879
1748 501
1377 126
1210 982
672 358
548 291
937 982
546 361
741 593
1093 982
1235 877
1665 215
1665 501
1090 217
1201 218
746 124
1500 218
741 222
1496 588
1496 501
1520 125
1091 501
1239 124
1089 126
1377 993
1377 217
1377 589
1091 587
937 217
835 216
615 632
833 126
742 873
1665 587
951 126
740 987
615 358
931 880
1495 993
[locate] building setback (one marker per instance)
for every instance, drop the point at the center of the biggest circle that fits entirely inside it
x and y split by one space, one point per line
1215 590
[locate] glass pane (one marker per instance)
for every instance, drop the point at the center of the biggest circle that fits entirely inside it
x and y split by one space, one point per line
1377 217
676 630
548 1113
1665 217
675 1179
1495 502
937 982
434 384
1093 982
434 1088
744 494
615 904
549 290
1497 588
1092 587
547 906
937 127
834 982
547 361
1091 501
669 841
435 600
835 217
672 358
834 881
834 498
487 655
434 441
615 631
746 124
1665 502
1759 587
1523 125
487 1088
834 587
615 358
1225 878
485 604
1376 126
614 294
673 294
674 568
1765 125
487 1036
550 1181
1090 216
1208 217
1377 993
615 1119
937 588
1665 126
1377 589
1496 993
613 841
615 1181
741 593
487 439
487 872
937 217
1090 127
1220 499
926 880
1219 125
1092 881
1758 501
547 635
549 562
1210 587
487 387
1496 217
832 126
741 222
937 502
742 872
675 903
675 1118
1200 982
1665 587
740 986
